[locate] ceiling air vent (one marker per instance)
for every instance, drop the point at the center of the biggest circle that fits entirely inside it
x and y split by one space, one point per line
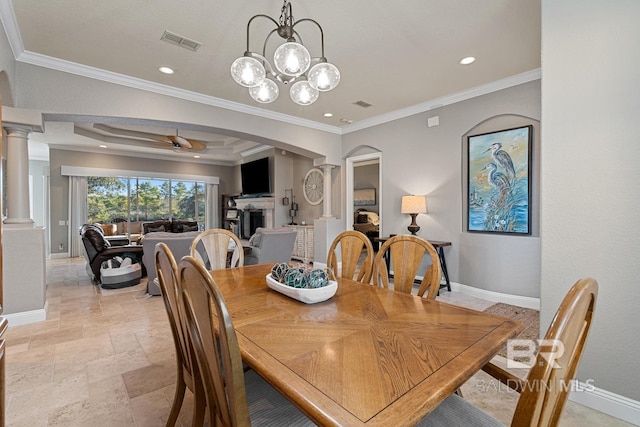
363 104
178 40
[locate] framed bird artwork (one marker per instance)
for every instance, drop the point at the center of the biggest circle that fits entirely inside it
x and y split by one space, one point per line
499 186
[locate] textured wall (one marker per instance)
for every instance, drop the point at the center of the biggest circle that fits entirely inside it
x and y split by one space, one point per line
590 154
430 162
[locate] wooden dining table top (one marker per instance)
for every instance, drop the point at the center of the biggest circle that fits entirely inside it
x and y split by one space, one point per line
367 356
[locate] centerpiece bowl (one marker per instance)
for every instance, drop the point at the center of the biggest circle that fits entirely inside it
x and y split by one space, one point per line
305 295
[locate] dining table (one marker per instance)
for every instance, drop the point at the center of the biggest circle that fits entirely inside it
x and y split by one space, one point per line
368 356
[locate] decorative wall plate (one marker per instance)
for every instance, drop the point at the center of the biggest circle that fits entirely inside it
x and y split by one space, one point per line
314 186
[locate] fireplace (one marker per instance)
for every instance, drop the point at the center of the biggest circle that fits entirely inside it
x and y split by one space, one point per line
261 206
251 219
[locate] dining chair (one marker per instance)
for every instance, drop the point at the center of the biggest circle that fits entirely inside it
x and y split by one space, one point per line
233 398
215 244
351 244
544 393
407 252
187 377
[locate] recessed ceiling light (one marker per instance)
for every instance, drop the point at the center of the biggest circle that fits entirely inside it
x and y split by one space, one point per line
196 157
102 146
468 60
166 70
328 115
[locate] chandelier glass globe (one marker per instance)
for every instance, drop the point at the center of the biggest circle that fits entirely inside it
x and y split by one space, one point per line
247 71
303 94
324 76
292 59
265 92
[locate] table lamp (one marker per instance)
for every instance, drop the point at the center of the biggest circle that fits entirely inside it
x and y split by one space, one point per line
414 205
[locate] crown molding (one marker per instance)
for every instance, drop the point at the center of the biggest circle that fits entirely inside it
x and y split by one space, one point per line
8 18
136 83
445 100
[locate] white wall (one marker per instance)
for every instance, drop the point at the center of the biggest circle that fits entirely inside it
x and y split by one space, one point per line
591 175
421 160
38 174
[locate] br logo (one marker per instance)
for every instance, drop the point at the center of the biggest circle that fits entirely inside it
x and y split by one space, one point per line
523 351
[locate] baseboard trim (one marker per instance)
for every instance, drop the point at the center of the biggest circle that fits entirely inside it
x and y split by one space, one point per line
607 402
520 301
59 255
26 317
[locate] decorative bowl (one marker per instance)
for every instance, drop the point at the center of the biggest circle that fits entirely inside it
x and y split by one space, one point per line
305 295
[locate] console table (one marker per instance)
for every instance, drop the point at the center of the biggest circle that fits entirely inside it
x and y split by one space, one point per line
437 245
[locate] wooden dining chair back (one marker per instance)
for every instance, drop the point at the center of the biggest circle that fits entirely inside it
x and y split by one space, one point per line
212 248
544 392
219 361
187 376
229 401
549 381
351 244
407 253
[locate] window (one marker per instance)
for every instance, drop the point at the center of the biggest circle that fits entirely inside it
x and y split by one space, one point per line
144 199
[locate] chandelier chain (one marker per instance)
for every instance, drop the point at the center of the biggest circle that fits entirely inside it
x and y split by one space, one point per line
284 16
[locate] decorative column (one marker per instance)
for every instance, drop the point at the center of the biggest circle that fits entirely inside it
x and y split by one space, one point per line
326 202
18 211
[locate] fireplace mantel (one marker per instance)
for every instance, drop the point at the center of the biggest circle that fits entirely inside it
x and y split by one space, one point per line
256 203
266 204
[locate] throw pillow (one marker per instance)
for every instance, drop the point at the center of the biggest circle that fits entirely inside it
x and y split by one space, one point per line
255 240
108 229
155 229
181 226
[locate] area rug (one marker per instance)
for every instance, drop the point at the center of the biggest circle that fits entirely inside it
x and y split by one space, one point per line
529 318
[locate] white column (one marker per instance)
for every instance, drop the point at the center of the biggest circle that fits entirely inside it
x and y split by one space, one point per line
18 211
326 201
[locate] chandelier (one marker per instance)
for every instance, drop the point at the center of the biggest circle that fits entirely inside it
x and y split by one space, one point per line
292 65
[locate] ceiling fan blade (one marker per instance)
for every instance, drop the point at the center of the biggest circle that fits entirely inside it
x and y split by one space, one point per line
197 145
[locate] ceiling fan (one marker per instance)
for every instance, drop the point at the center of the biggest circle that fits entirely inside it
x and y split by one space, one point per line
177 142
171 142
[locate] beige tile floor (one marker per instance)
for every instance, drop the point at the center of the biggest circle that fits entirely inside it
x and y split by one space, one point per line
106 358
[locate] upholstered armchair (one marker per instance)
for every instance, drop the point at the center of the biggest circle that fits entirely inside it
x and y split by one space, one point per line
97 249
271 245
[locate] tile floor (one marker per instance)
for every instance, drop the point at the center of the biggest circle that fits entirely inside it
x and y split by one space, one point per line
106 358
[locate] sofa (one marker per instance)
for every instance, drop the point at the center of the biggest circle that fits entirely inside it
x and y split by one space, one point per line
134 230
97 249
271 245
178 243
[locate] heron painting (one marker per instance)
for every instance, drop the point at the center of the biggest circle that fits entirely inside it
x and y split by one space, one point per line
499 184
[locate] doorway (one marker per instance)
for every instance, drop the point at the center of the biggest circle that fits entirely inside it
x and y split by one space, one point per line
372 162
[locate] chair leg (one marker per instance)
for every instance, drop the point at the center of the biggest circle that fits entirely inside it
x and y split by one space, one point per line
199 404
178 398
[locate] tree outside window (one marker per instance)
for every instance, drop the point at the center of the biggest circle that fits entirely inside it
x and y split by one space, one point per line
143 199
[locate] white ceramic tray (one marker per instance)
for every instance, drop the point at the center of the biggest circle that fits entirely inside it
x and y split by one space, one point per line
307 296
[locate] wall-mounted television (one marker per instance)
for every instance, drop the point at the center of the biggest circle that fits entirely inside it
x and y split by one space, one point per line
256 178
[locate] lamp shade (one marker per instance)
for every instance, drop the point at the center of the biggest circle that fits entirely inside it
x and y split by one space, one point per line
324 76
302 93
292 59
414 204
267 91
247 71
